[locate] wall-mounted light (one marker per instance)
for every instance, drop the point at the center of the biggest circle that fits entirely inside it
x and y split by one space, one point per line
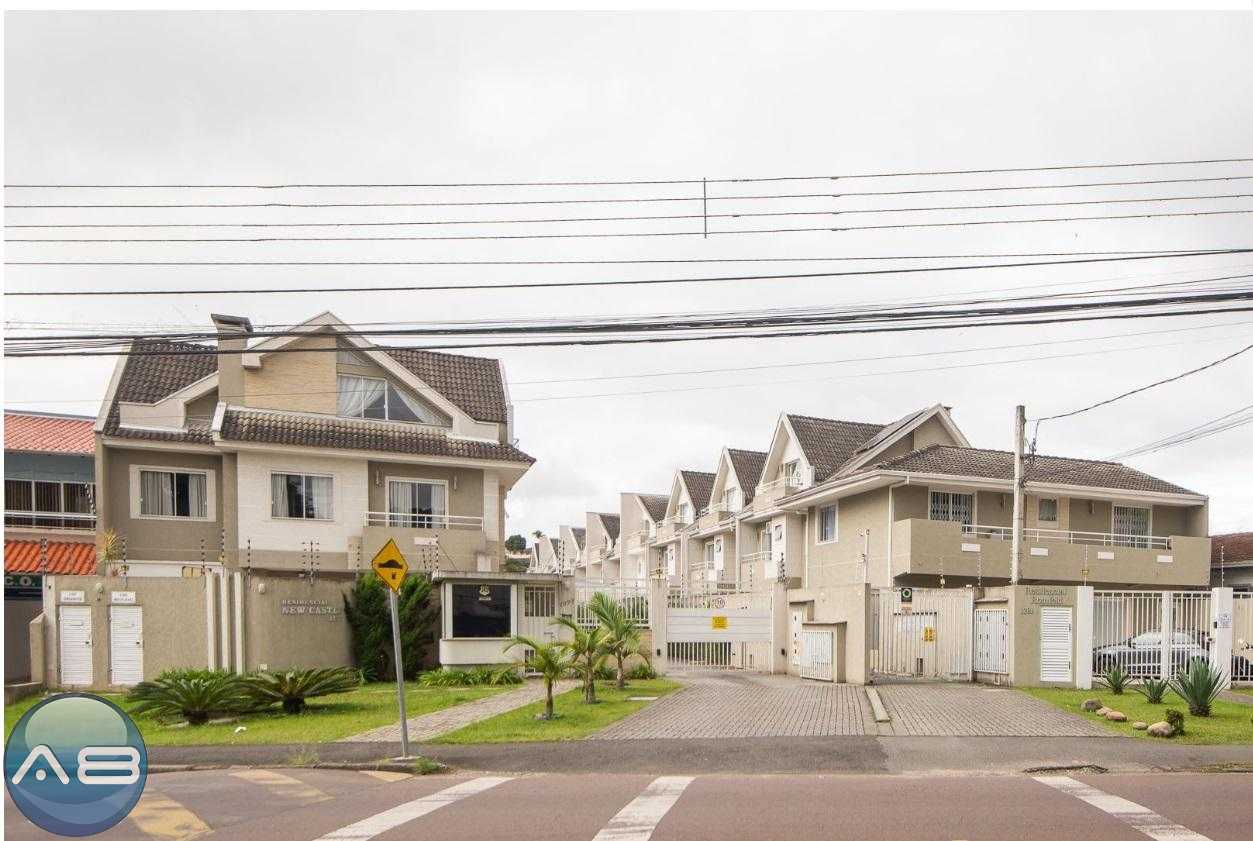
454 481
261 587
1091 507
378 477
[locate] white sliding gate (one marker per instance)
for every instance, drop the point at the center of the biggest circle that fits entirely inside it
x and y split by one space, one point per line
719 630
922 632
1150 634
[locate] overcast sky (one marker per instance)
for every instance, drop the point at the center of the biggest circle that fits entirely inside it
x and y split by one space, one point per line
244 98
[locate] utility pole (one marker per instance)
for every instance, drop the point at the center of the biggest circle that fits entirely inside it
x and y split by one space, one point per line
1015 550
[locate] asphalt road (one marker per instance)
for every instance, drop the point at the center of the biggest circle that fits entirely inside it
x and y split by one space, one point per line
310 805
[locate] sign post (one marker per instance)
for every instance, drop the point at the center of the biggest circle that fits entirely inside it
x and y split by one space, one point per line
389 564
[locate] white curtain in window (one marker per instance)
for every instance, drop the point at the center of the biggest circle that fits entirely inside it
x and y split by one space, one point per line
156 493
356 393
318 497
401 406
278 495
197 502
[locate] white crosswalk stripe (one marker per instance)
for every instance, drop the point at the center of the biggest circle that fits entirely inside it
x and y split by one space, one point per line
405 812
1139 817
640 817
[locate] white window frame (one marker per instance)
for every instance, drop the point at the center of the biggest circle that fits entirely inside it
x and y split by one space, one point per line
387 501
388 385
306 475
1057 509
210 490
974 503
683 512
731 499
835 524
34 512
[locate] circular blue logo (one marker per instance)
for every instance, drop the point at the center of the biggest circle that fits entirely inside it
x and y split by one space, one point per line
75 764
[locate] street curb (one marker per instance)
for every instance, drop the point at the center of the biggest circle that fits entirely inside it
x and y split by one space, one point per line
402 766
876 705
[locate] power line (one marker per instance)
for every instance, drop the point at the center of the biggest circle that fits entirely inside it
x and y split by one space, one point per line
643 261
640 200
545 221
621 182
1193 433
607 235
443 287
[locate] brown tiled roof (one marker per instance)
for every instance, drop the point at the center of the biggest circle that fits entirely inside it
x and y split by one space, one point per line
271 427
473 383
37 433
699 486
612 524
828 444
655 505
888 431
999 464
748 465
157 370
580 535
64 557
1236 547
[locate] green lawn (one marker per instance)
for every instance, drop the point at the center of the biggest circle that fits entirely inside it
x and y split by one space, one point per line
1228 723
575 719
326 719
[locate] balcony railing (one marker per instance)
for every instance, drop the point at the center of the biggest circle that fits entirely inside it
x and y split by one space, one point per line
49 520
1083 538
422 521
796 481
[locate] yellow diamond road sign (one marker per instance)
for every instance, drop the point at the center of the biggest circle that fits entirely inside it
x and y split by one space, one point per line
390 565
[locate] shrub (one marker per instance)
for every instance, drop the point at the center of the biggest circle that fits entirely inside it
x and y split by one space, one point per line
1199 686
369 618
292 687
195 695
478 676
642 671
1116 680
1152 689
1175 719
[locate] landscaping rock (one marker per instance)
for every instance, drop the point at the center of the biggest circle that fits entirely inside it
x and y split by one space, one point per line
1102 711
1161 729
1139 725
1091 705
1115 715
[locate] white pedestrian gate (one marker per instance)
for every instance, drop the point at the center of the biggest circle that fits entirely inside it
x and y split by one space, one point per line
992 641
74 629
126 645
719 630
1150 634
922 632
1242 638
1057 645
817 655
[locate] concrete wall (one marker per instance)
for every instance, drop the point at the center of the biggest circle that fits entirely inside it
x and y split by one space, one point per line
838 563
18 615
295 623
847 606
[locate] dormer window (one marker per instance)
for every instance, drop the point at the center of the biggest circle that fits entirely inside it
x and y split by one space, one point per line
376 399
685 513
731 499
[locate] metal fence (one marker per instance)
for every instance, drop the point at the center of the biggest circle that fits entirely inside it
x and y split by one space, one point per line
922 632
1242 638
633 596
1149 634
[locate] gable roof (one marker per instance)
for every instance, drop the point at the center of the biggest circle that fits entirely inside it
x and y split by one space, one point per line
1234 548
611 523
748 465
655 505
580 535
829 444
999 464
473 383
48 433
64 557
889 430
699 486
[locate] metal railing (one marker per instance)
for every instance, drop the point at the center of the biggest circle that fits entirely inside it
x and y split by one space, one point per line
632 595
50 520
1085 538
797 480
1242 638
1149 634
421 521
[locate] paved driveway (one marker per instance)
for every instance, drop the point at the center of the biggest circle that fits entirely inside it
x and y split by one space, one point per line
740 705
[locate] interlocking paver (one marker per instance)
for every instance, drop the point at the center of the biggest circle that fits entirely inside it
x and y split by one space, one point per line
934 709
423 727
740 705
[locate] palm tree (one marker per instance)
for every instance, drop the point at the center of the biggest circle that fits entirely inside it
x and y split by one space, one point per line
622 639
587 652
550 659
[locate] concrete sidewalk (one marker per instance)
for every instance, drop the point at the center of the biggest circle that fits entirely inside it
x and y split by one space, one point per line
778 755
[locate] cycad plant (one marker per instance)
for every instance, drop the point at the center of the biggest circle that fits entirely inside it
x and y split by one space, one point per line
551 660
1152 689
622 639
587 653
1199 685
194 696
1116 680
292 687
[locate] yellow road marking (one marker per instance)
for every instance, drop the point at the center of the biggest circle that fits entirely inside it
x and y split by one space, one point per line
387 776
162 817
282 785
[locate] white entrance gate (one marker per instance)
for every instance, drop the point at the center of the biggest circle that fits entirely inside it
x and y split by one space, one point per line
126 645
1150 634
817 655
922 632
75 631
992 641
719 630
1057 644
1242 638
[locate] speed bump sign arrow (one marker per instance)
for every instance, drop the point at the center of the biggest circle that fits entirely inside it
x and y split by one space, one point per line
390 565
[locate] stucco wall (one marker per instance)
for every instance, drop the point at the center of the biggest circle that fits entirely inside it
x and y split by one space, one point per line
838 563
279 636
848 606
300 382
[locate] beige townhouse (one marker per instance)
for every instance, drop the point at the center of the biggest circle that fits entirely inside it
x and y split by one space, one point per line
603 561
570 551
689 495
544 555
641 514
272 472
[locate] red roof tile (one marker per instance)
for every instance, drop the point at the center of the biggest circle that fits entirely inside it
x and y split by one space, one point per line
1233 548
49 434
64 557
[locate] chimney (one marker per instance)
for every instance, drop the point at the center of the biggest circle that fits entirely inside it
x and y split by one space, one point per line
233 333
